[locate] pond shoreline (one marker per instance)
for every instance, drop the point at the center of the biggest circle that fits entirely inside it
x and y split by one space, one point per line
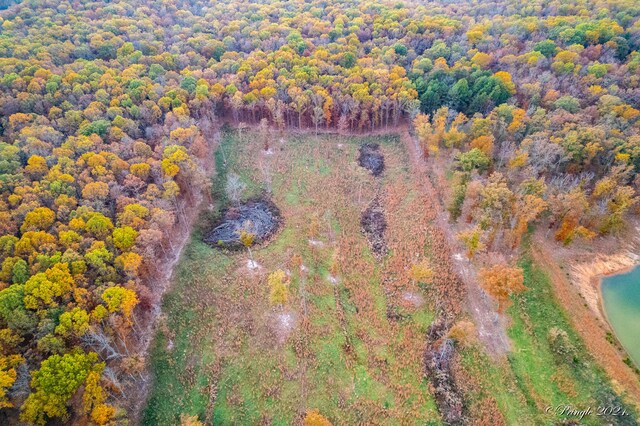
599 282
573 278
587 277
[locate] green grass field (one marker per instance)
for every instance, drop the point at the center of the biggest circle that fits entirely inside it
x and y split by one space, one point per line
220 353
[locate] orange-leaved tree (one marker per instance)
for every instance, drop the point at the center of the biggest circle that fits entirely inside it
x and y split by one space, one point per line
501 281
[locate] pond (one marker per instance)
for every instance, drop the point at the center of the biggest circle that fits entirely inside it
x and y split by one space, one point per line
621 303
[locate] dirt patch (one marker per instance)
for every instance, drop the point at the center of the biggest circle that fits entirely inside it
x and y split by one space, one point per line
371 159
333 280
413 299
283 324
260 217
373 225
316 243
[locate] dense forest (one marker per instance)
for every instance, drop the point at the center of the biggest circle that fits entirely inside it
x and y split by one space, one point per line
108 110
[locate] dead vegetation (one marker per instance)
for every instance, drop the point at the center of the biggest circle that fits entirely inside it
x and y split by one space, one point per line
438 360
371 159
259 217
374 225
412 233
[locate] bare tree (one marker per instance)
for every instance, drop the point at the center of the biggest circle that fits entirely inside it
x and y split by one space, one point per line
235 187
263 130
544 156
265 168
98 341
317 117
411 107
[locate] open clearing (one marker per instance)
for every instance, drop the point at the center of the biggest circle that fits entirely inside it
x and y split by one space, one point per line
224 354
350 341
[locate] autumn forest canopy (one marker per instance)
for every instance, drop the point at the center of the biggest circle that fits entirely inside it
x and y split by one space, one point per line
109 111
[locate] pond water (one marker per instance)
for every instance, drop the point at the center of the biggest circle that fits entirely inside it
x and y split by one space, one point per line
621 302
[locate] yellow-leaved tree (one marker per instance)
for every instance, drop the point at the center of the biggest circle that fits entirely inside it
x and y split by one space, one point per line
278 288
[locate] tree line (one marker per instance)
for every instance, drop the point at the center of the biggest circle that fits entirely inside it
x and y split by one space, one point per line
106 126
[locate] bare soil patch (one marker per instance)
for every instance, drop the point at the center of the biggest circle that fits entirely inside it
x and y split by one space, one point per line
414 299
371 159
587 275
283 324
259 217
